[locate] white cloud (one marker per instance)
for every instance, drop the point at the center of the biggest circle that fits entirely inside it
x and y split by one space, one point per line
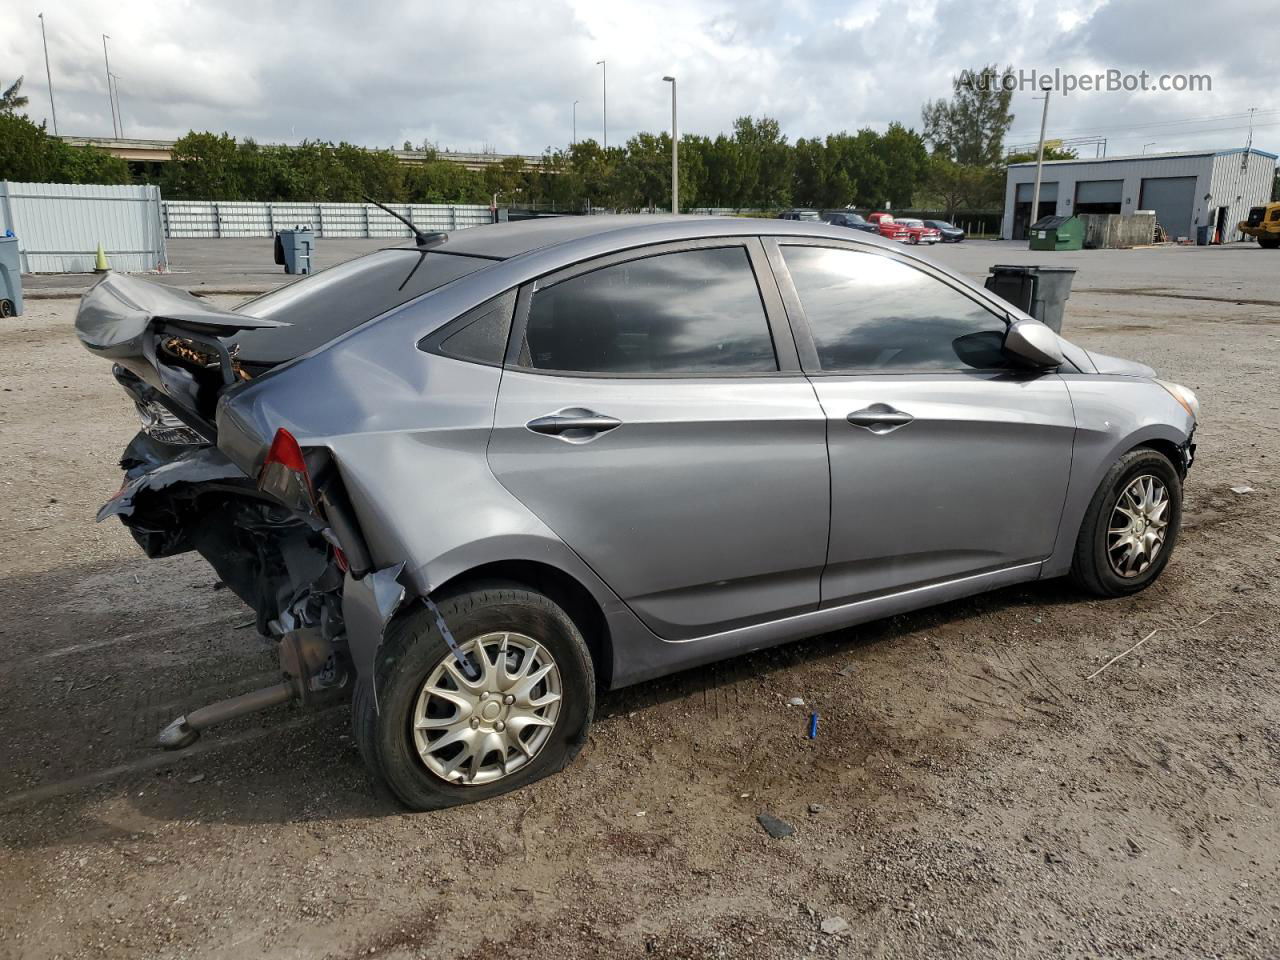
505 74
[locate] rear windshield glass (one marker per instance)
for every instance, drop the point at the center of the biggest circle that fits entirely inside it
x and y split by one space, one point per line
327 304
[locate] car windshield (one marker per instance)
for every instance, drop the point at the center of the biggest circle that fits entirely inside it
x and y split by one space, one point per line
912 223
940 224
325 305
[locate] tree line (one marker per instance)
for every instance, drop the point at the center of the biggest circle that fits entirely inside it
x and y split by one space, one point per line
954 162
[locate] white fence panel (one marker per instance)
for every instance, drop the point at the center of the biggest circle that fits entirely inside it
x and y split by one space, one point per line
189 219
59 226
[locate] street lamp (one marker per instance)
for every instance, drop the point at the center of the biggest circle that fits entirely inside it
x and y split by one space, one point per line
111 99
115 78
675 146
604 99
48 74
1145 145
575 123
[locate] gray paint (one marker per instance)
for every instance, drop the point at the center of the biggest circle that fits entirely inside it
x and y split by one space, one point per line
436 486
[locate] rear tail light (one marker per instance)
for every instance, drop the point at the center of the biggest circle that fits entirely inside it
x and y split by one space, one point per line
284 474
159 424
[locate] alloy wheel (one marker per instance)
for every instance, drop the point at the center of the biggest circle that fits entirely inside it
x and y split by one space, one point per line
482 724
1139 524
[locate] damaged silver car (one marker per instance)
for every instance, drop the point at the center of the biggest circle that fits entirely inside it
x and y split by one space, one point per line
473 480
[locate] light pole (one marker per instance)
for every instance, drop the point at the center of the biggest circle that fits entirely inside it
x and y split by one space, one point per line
575 124
604 101
111 100
1035 193
1145 145
115 77
675 145
48 74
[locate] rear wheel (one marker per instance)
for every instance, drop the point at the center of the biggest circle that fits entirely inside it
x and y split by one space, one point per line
442 734
6 308
1131 526
1269 243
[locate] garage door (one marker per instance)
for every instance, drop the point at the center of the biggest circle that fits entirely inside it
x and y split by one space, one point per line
1099 196
1173 199
1099 191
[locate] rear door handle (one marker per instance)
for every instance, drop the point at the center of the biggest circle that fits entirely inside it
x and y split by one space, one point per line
879 418
574 424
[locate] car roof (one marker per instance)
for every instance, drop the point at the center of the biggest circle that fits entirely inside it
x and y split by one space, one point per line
504 241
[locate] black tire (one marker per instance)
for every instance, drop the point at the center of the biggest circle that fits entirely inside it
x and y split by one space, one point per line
1091 568
6 308
414 647
1269 243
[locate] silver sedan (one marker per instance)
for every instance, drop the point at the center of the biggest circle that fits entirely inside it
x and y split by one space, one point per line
476 479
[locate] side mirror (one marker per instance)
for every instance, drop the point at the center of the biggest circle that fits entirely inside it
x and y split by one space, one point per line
1034 344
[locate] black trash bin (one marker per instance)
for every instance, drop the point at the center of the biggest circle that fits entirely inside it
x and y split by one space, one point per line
1039 291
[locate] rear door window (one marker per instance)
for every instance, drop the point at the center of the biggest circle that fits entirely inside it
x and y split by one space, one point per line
684 313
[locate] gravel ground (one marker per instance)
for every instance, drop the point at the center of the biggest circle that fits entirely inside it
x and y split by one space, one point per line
970 792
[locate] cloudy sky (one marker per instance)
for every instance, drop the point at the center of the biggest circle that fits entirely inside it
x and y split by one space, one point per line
503 75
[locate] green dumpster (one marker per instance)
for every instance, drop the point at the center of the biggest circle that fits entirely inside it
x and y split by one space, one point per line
1057 233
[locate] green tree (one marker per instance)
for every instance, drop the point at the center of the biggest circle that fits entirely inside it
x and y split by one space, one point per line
642 177
28 153
767 162
956 186
12 100
905 160
971 126
204 166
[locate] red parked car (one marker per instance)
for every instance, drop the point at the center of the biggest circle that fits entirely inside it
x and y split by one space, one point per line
921 232
890 228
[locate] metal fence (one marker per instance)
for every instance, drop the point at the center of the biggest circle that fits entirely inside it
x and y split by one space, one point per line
60 225
189 219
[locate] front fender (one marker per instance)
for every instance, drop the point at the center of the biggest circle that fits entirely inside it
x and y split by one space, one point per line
1113 415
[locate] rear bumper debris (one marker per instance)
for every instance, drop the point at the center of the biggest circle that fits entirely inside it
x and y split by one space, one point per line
368 604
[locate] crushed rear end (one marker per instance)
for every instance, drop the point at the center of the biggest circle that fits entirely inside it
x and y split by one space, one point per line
272 518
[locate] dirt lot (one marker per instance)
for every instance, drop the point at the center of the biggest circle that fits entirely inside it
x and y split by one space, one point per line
971 792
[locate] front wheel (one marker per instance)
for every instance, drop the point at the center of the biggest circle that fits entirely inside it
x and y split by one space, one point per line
1131 525
442 734
1269 243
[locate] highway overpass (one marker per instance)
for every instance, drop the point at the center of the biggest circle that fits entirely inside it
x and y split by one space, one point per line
161 151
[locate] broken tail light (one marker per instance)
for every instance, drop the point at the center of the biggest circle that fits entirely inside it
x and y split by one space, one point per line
159 424
284 474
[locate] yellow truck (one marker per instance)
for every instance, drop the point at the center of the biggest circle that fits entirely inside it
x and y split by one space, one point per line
1263 224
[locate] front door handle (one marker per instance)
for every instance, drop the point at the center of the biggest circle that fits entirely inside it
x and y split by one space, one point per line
574 424
880 418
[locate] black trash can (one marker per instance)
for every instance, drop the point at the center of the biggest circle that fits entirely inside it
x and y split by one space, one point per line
1039 291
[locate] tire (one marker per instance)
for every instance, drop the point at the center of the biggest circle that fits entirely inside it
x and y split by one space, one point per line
6 308
1093 567
414 652
1269 243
